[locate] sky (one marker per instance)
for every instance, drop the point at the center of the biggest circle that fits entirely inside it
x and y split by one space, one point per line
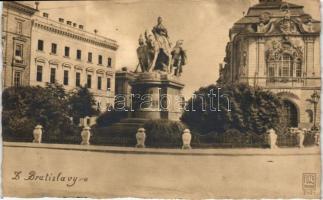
202 24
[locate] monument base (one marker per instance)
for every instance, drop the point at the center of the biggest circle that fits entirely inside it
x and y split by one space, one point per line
155 96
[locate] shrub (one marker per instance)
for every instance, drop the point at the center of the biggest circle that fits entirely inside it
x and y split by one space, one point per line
25 107
109 117
82 104
252 110
164 133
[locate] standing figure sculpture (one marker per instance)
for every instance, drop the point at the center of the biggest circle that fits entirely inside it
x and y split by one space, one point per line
143 56
178 58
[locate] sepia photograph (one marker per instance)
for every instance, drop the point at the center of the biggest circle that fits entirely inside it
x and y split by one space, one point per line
161 99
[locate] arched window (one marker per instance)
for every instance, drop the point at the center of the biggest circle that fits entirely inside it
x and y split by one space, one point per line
284 67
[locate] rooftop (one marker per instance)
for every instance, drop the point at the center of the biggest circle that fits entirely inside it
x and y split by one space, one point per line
73 28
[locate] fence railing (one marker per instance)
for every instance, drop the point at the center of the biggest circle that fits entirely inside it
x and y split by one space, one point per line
250 140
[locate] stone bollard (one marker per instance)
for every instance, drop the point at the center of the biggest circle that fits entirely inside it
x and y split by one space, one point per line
300 138
86 134
37 133
186 138
141 137
317 138
272 138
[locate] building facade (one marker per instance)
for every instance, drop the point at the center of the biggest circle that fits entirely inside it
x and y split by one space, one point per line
276 46
16 39
63 52
44 51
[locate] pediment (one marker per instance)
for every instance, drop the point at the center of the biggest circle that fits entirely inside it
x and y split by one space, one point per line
79 67
100 71
90 69
54 62
41 59
67 65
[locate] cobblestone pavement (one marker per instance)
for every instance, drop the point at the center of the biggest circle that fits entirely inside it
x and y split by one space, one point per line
72 170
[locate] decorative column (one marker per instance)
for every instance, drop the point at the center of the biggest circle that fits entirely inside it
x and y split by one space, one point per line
261 69
309 55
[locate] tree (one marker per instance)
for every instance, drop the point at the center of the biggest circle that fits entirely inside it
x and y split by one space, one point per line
82 104
25 107
251 110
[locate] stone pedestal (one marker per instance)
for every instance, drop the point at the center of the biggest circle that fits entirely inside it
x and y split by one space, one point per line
140 137
86 134
157 96
37 133
272 138
186 138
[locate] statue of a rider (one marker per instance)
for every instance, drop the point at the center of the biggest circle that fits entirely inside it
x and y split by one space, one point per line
161 35
155 53
162 56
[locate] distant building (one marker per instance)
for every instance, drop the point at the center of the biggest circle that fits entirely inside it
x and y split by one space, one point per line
276 46
49 51
123 79
16 38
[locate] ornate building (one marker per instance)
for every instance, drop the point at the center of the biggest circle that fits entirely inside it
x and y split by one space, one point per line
276 46
16 38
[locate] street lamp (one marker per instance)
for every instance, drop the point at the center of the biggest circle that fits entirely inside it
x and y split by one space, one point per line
315 97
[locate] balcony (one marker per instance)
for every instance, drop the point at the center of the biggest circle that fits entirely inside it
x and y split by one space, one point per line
292 82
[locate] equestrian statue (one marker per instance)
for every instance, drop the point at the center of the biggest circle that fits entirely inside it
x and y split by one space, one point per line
155 52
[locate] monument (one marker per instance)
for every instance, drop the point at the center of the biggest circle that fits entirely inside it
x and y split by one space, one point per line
157 88
153 89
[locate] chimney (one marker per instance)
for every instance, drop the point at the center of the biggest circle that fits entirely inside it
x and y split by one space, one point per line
36 5
69 23
45 15
74 25
61 20
81 26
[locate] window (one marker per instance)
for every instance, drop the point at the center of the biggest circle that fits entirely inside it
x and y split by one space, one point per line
271 69
298 68
40 46
109 62
67 52
17 79
89 57
65 82
286 66
18 53
108 84
52 75
78 54
100 60
19 27
89 80
78 79
54 48
3 23
39 75
99 83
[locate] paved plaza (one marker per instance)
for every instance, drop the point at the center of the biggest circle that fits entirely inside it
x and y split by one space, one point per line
168 173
